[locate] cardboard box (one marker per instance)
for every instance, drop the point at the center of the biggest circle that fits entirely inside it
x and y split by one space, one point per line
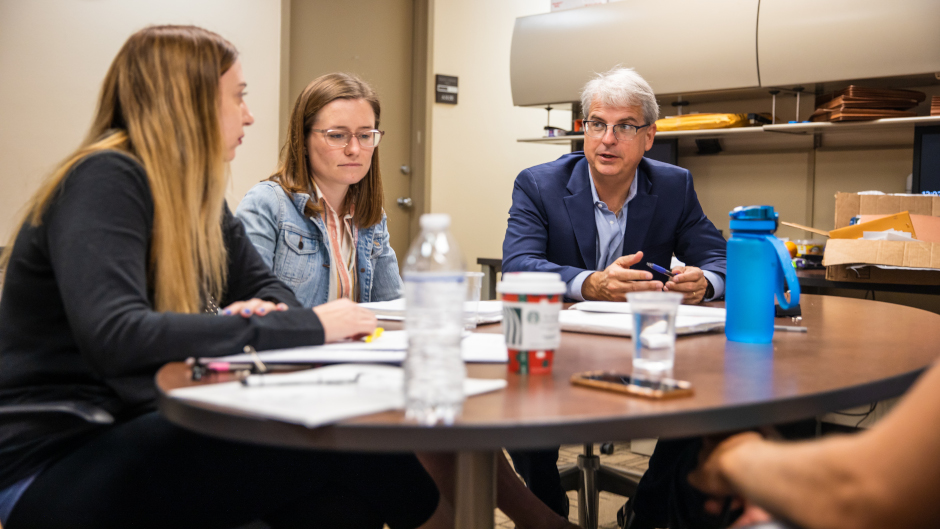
850 204
842 254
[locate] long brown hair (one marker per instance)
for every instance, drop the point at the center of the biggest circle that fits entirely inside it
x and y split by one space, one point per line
293 171
159 104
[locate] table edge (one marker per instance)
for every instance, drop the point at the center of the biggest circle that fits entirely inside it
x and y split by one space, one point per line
403 437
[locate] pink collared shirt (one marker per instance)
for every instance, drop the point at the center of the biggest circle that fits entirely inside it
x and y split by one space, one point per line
342 235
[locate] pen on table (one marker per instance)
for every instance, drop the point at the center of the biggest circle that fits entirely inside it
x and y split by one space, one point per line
232 367
203 366
656 268
789 328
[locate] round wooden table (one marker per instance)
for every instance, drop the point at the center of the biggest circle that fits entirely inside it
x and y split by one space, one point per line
855 352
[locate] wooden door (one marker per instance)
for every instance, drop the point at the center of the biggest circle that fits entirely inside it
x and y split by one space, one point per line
372 39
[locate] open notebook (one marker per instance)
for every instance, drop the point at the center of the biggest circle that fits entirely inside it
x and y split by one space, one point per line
343 391
487 311
616 318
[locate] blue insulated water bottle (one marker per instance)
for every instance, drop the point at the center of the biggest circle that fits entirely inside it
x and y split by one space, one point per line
758 268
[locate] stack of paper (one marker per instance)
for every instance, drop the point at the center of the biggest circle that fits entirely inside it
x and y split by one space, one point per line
487 311
388 348
887 235
335 393
935 106
603 317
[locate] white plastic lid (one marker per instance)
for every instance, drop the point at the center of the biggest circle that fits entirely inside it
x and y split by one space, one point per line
531 283
435 221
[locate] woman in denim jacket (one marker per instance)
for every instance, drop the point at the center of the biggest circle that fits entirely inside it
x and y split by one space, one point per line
318 220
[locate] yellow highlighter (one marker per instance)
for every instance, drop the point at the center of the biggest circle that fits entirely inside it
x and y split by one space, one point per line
375 334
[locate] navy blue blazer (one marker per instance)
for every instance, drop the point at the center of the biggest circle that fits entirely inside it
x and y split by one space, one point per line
551 221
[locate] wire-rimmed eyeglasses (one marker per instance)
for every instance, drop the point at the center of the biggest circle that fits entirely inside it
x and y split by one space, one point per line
622 131
368 139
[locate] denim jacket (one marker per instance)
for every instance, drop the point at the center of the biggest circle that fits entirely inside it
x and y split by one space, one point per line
296 247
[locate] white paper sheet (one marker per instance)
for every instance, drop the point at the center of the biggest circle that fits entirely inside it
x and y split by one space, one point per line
482 319
887 235
388 348
856 268
378 388
623 307
600 317
488 311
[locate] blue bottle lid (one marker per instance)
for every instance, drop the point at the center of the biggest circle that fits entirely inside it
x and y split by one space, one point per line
754 218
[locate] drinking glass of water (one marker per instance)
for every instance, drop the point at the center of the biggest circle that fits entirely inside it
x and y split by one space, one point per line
654 333
471 307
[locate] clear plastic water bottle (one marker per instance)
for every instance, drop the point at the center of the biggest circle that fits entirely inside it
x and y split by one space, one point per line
435 290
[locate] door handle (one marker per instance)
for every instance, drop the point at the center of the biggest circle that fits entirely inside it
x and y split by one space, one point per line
405 202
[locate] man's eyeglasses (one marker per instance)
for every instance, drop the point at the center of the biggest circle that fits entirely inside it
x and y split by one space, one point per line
368 139
622 131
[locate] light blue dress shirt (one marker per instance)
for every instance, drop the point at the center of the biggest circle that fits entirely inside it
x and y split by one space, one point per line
611 228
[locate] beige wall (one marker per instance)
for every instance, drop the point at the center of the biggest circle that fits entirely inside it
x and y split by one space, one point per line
475 156
53 57
725 182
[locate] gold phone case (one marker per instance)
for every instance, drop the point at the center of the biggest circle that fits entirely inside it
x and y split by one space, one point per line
678 388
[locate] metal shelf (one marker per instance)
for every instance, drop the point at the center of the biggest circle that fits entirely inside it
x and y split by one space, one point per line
801 129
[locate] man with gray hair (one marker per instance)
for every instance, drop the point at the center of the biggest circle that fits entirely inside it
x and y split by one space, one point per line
592 216
597 217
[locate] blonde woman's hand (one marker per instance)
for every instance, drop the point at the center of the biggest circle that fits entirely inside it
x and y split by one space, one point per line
342 319
254 306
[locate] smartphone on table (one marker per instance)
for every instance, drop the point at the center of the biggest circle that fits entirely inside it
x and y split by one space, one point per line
666 388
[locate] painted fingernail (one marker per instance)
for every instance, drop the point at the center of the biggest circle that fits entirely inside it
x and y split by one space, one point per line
227 312
262 310
246 312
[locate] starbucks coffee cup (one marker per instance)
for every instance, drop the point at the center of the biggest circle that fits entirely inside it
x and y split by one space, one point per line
531 301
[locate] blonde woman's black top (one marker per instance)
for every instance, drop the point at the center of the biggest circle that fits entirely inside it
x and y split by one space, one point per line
76 315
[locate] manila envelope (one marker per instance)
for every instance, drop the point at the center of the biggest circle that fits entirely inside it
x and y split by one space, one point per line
899 221
926 226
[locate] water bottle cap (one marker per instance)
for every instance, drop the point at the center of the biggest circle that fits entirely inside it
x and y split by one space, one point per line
435 221
754 218
754 213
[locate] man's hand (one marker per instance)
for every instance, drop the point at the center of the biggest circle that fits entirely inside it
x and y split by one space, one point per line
689 281
343 319
613 283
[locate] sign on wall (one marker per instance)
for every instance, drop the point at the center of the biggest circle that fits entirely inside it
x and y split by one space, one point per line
446 89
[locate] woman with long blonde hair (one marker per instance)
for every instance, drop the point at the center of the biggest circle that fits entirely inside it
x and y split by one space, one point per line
119 266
